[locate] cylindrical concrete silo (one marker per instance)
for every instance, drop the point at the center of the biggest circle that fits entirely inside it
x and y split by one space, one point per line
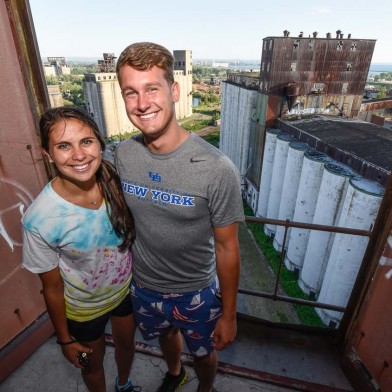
359 211
330 201
281 150
291 179
308 189
266 173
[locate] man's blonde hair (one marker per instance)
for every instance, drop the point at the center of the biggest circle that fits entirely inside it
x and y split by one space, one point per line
145 55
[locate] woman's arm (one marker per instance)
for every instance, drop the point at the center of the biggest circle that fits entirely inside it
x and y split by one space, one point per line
53 290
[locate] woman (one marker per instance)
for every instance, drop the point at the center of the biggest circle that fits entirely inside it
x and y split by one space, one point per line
77 237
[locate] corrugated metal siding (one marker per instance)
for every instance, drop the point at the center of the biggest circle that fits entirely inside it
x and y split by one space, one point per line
320 64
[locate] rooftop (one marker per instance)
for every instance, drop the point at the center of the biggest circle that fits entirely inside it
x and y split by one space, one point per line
363 146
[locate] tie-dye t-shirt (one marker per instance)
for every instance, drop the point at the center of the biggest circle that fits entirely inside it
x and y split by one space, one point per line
83 244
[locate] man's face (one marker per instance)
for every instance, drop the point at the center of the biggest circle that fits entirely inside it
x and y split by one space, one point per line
149 100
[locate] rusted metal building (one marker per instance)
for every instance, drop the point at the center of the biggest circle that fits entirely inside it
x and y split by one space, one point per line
316 73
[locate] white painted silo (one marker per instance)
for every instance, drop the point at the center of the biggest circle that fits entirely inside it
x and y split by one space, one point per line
281 150
329 205
292 175
266 173
308 189
359 211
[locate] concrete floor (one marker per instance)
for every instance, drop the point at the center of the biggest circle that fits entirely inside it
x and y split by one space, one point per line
263 358
46 370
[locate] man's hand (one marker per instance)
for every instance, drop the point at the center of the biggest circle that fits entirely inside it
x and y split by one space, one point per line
224 333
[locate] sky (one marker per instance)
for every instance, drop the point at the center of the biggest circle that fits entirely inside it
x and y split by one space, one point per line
212 29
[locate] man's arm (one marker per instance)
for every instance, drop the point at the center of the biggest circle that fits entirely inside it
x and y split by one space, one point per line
53 290
228 269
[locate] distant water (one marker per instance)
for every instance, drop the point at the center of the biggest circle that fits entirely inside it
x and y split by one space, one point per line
381 67
376 69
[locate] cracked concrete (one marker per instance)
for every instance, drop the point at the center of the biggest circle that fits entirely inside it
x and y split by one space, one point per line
47 370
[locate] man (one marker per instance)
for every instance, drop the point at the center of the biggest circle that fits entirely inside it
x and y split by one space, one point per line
185 198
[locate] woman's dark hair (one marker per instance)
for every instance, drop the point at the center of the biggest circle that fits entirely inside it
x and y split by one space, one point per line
109 182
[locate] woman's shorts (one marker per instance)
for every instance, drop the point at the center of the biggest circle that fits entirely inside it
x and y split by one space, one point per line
91 330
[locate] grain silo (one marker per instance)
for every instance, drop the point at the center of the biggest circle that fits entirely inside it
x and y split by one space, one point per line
266 174
278 171
330 201
359 211
308 190
292 176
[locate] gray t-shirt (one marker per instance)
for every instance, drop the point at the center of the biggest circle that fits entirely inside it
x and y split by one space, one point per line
176 200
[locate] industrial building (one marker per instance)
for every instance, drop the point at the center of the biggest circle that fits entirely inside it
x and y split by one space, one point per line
55 96
56 66
310 166
104 101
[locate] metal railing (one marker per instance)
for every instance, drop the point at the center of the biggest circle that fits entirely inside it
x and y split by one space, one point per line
291 224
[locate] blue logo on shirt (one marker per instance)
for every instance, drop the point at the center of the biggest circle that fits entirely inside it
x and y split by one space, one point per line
155 176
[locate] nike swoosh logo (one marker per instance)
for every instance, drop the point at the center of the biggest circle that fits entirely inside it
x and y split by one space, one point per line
193 160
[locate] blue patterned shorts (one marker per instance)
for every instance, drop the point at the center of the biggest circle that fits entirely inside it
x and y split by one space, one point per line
194 313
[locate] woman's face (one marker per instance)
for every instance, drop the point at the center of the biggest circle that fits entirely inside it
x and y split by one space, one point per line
75 150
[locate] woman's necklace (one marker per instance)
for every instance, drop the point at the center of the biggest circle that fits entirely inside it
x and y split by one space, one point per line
83 199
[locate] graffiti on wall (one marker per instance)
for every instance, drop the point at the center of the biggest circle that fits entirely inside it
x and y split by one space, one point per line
21 199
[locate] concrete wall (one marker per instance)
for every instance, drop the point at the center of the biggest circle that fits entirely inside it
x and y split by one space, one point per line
105 104
238 105
55 96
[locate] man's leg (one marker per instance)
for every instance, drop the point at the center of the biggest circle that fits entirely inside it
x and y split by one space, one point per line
123 332
171 346
205 368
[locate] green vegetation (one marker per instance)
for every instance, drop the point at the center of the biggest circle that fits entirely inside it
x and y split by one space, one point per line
71 87
209 98
213 138
122 136
194 124
81 69
288 279
202 73
383 76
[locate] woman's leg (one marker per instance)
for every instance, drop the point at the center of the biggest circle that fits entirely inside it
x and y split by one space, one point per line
93 374
123 333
